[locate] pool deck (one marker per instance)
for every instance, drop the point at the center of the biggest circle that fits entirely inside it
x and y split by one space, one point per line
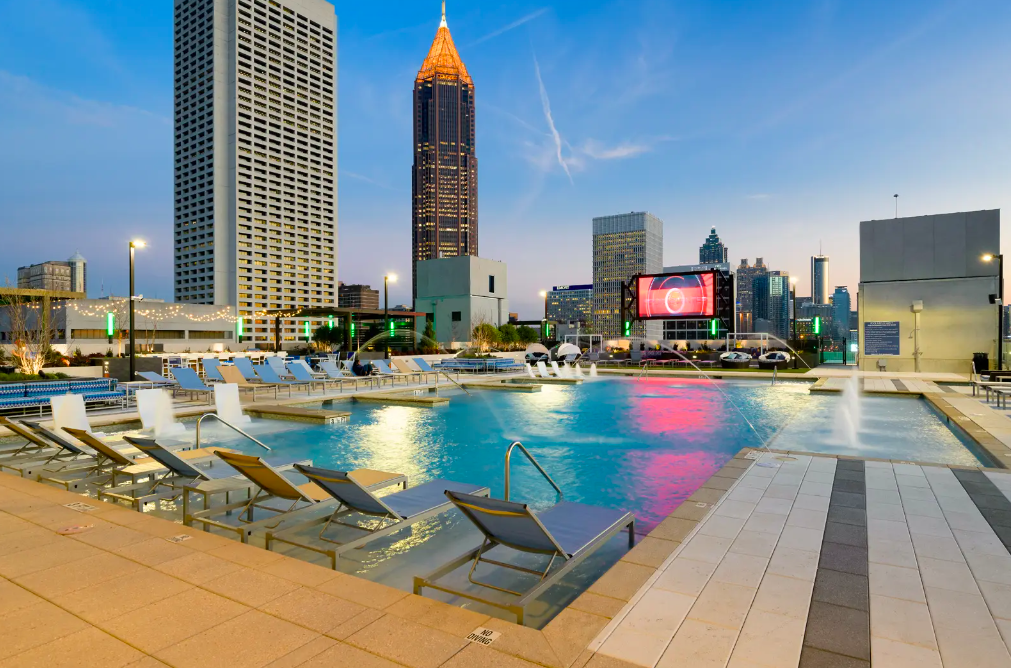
816 562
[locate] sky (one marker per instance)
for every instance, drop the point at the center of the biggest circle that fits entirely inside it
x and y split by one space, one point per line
783 124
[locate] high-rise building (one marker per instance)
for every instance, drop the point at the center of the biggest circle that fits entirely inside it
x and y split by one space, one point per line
69 276
624 245
357 296
571 303
771 303
444 177
819 279
712 251
745 293
841 312
256 156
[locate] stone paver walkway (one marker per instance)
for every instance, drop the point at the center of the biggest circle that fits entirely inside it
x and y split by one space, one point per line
813 561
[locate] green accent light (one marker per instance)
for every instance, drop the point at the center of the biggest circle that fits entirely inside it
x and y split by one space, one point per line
714 327
352 328
393 327
238 327
330 321
817 324
306 330
110 323
628 328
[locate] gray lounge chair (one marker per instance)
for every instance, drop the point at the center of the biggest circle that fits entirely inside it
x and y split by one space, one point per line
268 375
156 378
211 366
394 511
566 531
332 371
190 382
301 372
271 485
245 367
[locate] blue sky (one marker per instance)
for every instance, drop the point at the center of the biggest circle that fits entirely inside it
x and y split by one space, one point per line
781 123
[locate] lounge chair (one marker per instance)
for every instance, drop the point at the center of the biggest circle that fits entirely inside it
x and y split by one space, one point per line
271 485
245 367
168 473
383 370
38 452
277 364
334 372
71 457
560 372
212 366
190 382
530 371
566 531
227 405
157 415
233 376
156 378
302 364
542 369
268 375
302 374
394 511
401 366
69 411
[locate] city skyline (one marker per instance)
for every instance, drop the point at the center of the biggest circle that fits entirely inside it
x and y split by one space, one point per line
846 105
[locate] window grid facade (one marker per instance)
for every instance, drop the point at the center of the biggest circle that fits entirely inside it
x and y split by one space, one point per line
444 175
256 156
571 303
624 245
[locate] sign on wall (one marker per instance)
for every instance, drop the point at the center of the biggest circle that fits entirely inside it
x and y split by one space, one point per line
881 338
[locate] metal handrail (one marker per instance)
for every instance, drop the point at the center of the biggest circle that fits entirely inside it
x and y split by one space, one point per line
227 424
533 461
644 371
450 380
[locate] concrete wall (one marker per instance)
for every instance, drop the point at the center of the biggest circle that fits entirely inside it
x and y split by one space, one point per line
957 320
461 284
948 245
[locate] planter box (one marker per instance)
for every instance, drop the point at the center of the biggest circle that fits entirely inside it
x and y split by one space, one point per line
735 364
76 371
769 366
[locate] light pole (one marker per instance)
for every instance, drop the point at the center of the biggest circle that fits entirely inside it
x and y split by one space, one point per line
386 308
136 243
1000 305
896 196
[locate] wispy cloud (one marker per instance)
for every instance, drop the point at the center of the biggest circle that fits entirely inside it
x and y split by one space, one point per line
599 151
515 24
28 94
546 106
362 177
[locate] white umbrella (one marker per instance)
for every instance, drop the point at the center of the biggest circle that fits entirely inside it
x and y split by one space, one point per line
536 348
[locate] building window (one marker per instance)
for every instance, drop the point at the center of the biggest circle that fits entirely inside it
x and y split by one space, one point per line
457 316
491 284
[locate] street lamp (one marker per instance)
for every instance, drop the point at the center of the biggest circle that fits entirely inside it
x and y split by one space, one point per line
387 279
1000 305
136 243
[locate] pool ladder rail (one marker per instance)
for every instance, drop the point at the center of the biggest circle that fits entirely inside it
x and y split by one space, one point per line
227 424
508 456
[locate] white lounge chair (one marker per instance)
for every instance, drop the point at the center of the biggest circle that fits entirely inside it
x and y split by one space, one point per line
542 369
69 411
530 371
558 371
227 406
157 415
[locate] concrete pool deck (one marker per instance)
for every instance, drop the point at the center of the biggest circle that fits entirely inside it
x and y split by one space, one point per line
817 561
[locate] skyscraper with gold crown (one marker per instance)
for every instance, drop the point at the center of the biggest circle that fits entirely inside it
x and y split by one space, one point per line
444 183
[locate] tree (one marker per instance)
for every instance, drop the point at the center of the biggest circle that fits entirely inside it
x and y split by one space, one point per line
508 334
526 334
32 326
429 345
485 336
328 336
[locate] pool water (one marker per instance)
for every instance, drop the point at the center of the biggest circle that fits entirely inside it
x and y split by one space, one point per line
638 445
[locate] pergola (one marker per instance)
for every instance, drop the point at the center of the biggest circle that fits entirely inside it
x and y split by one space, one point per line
344 314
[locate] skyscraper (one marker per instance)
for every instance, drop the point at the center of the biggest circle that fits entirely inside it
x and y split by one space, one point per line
54 275
712 251
256 156
819 279
745 293
623 245
772 304
571 303
841 312
444 183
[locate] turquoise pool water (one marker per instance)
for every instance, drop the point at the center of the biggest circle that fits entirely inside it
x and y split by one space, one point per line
626 444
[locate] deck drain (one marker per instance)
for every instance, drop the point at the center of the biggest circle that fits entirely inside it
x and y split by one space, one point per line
80 507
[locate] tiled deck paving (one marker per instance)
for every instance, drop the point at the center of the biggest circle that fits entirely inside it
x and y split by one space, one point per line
818 562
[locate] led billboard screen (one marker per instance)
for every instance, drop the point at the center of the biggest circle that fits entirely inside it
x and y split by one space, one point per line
671 296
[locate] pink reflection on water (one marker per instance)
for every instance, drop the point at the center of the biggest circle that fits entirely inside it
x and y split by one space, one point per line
679 412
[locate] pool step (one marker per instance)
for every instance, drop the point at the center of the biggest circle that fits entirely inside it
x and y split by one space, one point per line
296 414
514 386
547 381
402 398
